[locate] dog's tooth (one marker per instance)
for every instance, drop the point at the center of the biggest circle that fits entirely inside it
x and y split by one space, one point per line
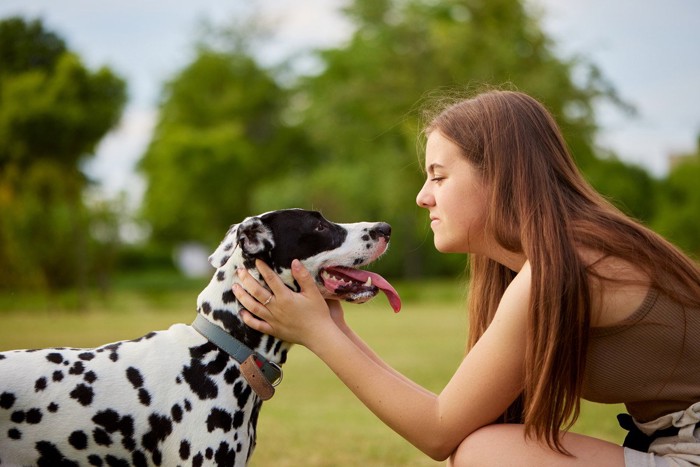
369 282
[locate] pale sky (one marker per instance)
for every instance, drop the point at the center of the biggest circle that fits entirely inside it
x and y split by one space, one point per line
649 50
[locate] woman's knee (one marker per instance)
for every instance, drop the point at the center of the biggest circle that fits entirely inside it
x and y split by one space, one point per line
475 449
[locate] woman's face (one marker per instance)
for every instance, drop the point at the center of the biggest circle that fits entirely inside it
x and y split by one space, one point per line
455 196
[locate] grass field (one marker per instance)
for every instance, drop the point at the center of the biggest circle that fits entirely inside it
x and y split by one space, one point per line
313 420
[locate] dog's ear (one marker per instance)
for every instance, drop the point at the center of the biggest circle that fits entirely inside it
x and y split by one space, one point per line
254 238
225 249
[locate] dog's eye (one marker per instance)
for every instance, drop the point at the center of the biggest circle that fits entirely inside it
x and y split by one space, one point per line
320 227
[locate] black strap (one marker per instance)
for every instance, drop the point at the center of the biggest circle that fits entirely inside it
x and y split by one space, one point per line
636 439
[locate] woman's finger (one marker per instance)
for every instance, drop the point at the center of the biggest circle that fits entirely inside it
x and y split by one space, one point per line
252 286
255 323
249 301
271 278
303 276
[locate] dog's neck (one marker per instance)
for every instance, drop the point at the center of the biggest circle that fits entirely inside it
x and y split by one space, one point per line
218 304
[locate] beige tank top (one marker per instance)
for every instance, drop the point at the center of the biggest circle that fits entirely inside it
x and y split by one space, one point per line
650 361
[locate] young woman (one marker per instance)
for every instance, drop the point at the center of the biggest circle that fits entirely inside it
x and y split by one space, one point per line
568 298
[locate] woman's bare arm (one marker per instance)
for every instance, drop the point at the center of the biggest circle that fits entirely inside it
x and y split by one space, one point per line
486 382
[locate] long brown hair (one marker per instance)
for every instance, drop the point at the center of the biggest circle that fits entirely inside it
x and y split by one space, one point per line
541 206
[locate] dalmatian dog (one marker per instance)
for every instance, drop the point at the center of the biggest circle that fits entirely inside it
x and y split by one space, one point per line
189 395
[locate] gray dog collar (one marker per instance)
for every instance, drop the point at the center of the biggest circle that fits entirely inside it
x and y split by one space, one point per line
237 349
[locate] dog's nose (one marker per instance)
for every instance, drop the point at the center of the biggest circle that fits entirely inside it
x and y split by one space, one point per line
382 229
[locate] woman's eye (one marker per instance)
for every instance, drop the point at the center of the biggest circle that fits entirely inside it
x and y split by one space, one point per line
436 179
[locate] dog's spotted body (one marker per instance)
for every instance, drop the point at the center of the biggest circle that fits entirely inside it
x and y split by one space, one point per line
172 397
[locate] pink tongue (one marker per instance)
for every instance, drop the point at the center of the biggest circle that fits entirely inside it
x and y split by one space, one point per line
361 275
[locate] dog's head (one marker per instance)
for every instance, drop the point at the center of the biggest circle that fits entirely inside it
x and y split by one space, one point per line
331 252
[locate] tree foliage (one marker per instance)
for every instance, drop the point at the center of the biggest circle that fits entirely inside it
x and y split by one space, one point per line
53 112
363 107
678 212
220 133
224 147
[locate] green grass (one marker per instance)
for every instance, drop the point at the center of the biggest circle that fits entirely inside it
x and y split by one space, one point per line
313 420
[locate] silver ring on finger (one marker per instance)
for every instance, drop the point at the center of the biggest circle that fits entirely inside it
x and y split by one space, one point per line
269 299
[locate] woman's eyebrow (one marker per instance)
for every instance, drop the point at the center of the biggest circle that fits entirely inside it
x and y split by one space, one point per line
433 166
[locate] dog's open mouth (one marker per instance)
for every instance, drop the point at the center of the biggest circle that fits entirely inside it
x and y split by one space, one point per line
357 285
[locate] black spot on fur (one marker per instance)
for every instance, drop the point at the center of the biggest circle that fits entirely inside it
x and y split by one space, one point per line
18 416
77 369
242 393
198 352
108 419
111 422
197 460
82 394
232 374
34 416
206 308
57 375
113 350
101 437
113 461
219 418
218 365
87 356
221 275
90 377
50 456
52 407
176 412
268 345
40 384
95 460
228 297
55 357
144 397
161 427
225 455
7 400
238 418
134 377
139 459
196 377
78 439
184 450
14 433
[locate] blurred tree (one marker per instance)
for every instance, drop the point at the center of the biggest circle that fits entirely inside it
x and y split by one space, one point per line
225 131
678 213
220 133
53 112
361 110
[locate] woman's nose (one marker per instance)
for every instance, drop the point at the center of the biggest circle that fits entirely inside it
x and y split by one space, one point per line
423 199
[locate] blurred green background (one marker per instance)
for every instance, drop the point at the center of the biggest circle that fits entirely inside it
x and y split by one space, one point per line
234 138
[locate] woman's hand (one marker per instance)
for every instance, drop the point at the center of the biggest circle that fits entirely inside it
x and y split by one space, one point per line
287 315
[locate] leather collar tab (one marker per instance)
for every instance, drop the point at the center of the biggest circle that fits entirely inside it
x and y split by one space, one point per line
241 353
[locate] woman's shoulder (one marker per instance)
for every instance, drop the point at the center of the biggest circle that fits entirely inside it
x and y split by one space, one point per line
618 288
